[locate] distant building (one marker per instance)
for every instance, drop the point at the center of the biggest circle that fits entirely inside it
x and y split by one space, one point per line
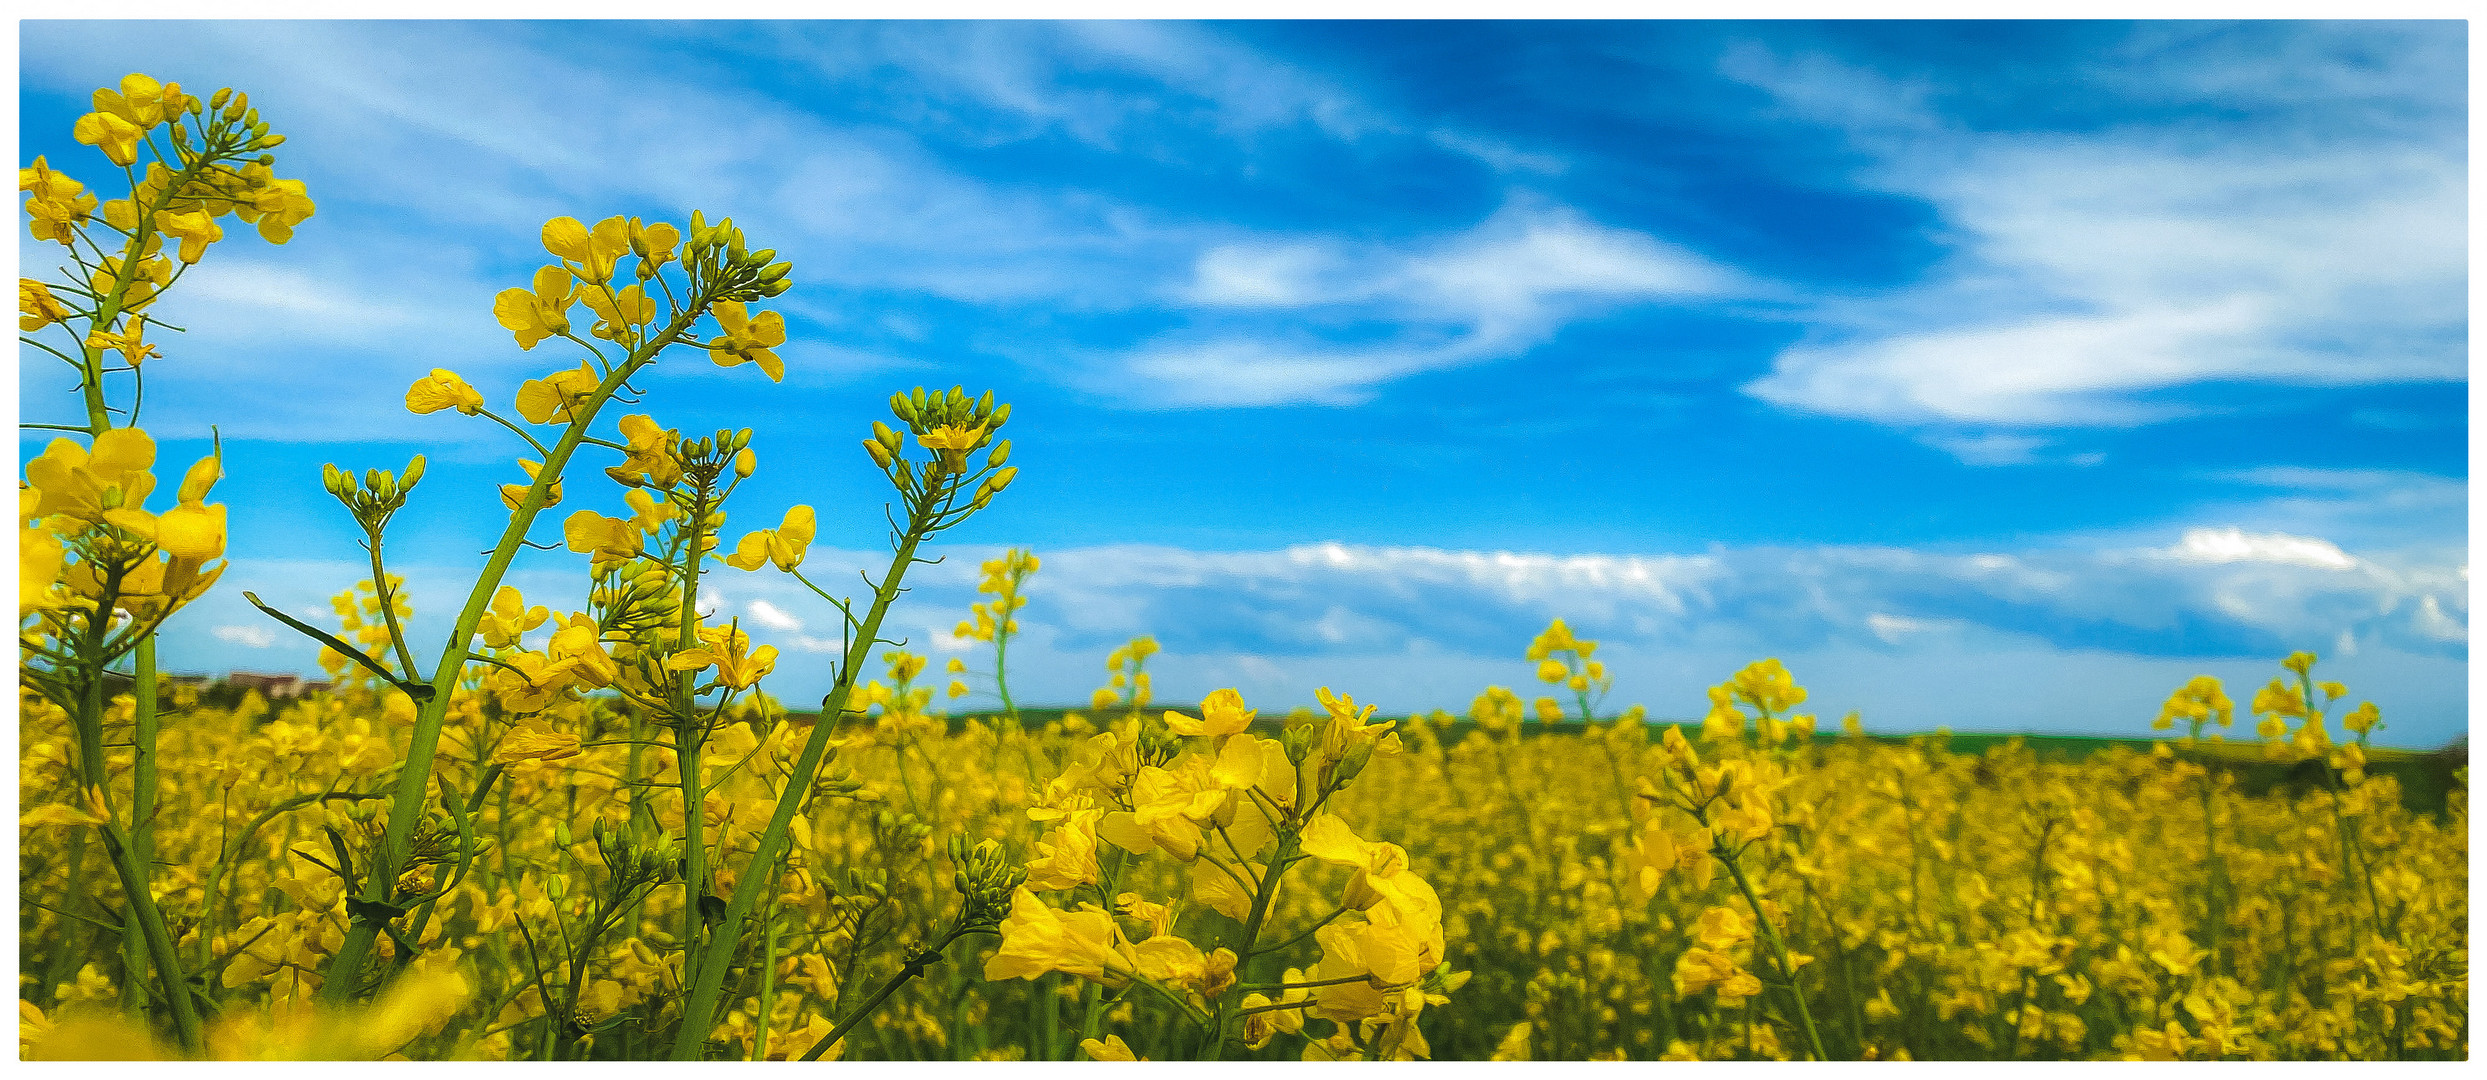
277 686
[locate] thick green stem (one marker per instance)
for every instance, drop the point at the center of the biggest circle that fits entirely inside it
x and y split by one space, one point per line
344 974
142 817
700 1010
1277 868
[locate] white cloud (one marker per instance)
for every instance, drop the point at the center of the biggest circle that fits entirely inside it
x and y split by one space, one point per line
2237 545
2432 622
256 637
2091 270
769 615
1491 292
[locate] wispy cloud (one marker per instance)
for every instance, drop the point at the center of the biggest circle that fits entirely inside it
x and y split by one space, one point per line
1489 292
2093 270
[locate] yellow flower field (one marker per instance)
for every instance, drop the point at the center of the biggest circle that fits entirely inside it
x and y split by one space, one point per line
594 835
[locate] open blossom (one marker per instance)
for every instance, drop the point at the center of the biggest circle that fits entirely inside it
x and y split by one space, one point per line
783 546
749 340
442 389
531 315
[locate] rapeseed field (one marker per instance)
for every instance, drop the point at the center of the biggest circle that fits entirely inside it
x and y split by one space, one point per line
594 835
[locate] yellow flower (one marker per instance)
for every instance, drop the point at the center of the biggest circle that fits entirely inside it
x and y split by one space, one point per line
580 645
1067 856
951 445
728 649
514 494
116 137
76 482
192 530
605 539
56 205
276 206
650 512
442 389
130 341
748 339
509 617
195 230
1111 1049
593 252
784 545
1553 671
1037 939
535 744
533 316
1222 713
37 307
550 399
654 244
617 312
142 102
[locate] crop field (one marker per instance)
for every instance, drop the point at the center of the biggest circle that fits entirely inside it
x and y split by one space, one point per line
596 835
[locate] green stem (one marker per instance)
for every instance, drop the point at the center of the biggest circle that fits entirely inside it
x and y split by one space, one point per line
344 973
1216 1050
1779 953
701 1007
914 966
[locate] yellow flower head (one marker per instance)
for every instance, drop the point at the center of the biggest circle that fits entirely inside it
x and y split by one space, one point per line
746 339
549 400
535 744
591 252
783 546
1222 713
37 307
195 230
55 204
532 316
442 389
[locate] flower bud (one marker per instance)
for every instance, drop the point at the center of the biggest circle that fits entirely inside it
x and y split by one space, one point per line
218 99
414 473
1003 478
745 462
999 454
880 454
1001 415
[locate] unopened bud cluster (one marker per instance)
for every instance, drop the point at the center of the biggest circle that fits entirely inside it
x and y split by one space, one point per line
985 878
715 254
377 496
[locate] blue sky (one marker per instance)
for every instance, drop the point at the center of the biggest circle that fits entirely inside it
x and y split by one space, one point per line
1993 375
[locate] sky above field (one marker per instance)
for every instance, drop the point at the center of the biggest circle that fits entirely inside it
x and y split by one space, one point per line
1998 376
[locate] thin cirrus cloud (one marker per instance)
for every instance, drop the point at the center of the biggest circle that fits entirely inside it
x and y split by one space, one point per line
2094 271
1490 292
